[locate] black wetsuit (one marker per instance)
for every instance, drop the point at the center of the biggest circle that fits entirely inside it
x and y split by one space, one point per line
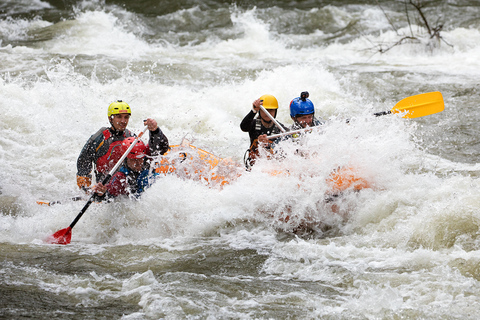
255 128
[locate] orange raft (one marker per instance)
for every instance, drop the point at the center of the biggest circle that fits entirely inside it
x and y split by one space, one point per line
190 162
346 178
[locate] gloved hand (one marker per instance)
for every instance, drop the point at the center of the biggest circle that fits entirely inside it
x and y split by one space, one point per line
84 182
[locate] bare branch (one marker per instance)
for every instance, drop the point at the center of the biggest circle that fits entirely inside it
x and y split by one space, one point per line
408 18
399 42
419 7
388 18
422 20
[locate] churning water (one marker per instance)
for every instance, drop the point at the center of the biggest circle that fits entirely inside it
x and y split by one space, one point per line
408 247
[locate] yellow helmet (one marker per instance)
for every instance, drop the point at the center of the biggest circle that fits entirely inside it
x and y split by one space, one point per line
269 101
118 107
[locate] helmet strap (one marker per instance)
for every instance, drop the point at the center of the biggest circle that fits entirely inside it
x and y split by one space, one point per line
267 121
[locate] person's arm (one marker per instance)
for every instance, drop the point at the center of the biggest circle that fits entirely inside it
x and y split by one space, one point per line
86 159
112 189
85 164
248 122
117 185
157 142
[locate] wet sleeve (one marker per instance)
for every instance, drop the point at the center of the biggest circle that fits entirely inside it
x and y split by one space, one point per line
248 122
86 158
157 143
117 185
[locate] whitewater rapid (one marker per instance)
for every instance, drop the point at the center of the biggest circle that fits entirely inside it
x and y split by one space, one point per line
405 247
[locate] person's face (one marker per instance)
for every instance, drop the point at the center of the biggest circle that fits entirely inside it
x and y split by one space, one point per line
265 117
305 120
120 121
135 164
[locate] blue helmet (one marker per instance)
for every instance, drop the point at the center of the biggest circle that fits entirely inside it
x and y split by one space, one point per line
301 105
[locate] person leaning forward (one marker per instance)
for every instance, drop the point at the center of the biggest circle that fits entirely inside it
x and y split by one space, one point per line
133 177
259 125
104 148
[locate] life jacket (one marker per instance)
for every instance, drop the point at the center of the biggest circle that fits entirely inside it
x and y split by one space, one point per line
114 152
316 122
253 151
136 184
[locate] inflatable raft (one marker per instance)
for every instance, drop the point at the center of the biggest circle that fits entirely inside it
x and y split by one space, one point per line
346 178
189 162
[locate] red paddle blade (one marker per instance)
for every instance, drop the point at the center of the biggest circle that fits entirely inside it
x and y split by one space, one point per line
60 237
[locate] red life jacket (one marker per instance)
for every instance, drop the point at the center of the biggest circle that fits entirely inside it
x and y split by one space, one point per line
107 161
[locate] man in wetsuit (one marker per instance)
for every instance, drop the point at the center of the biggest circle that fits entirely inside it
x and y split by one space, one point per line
103 149
259 125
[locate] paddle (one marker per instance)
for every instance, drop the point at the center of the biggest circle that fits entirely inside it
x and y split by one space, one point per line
64 236
273 119
416 106
51 203
274 136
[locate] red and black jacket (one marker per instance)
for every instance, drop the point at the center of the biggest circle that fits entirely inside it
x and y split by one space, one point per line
103 150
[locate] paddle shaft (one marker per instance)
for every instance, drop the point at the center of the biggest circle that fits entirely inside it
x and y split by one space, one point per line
107 178
278 135
85 207
51 203
273 119
383 113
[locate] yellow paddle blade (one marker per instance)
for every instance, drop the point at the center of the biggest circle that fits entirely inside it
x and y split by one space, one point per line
420 105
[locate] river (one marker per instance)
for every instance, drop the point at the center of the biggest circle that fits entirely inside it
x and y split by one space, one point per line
407 247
